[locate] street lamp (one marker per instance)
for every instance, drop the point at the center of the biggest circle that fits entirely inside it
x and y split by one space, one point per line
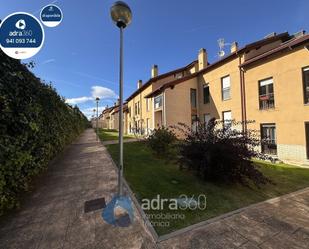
97 100
121 14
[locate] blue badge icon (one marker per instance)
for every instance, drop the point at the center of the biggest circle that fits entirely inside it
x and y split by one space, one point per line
119 211
21 35
51 15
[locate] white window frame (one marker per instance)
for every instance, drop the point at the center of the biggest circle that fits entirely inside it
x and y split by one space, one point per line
227 122
226 86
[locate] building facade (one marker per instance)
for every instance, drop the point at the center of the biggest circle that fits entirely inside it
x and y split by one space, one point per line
266 81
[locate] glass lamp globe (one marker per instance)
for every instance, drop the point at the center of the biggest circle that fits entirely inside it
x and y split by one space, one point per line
121 14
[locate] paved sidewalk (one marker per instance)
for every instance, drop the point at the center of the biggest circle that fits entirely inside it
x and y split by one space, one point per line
280 223
53 216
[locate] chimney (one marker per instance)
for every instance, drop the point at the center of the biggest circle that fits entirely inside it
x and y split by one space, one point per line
118 102
234 47
154 71
202 59
139 84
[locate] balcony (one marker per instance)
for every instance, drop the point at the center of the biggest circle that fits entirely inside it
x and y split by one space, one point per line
267 101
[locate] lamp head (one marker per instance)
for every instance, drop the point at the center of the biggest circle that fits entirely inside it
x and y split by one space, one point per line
97 99
121 14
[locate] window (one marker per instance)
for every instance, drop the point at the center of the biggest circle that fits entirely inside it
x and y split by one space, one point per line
306 84
135 109
194 122
206 118
268 135
266 94
226 87
147 104
158 101
193 97
206 94
227 119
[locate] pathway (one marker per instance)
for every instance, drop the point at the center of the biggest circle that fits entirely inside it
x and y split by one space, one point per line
53 217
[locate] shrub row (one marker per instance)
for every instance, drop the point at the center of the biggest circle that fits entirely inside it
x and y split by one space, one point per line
35 125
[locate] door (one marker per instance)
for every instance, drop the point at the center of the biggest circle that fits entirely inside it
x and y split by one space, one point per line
307 138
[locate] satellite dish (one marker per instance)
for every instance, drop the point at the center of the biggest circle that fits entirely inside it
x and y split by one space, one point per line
221 53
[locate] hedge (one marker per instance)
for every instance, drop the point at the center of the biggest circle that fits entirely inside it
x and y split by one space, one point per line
35 125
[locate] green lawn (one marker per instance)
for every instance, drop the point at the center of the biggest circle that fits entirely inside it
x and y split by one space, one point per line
109 135
149 176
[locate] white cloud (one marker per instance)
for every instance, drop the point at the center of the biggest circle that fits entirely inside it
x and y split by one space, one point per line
103 93
80 100
88 112
96 91
48 61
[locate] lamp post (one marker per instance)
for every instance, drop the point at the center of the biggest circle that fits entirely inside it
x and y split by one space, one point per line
121 15
94 119
97 121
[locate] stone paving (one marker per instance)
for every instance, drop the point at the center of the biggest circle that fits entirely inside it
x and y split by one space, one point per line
53 215
282 223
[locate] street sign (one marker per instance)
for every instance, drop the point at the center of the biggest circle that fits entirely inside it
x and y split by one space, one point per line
51 15
21 35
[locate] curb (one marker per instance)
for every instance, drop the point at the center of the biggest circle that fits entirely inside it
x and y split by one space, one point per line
195 226
146 221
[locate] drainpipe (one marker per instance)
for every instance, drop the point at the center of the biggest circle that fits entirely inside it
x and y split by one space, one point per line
164 110
243 96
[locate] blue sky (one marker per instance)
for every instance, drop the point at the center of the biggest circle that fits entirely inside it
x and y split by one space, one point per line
80 56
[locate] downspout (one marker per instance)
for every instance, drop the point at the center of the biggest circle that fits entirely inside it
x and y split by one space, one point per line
141 111
164 110
244 93
243 97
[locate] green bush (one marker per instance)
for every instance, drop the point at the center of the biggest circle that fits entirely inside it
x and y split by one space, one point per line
161 141
35 125
217 152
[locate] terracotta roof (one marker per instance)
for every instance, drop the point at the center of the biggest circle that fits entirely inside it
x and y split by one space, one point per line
171 84
294 42
151 80
109 109
125 107
264 41
282 36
